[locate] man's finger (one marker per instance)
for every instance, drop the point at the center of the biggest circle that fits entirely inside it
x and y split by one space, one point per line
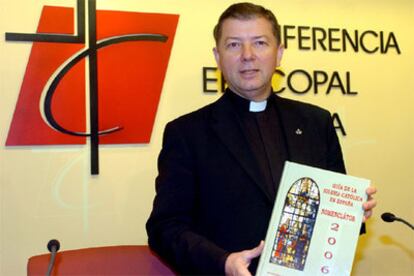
255 252
367 215
369 204
371 191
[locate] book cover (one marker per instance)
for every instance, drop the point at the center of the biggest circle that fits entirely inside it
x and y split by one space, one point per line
315 223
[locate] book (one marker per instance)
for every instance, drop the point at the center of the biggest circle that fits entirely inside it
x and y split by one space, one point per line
315 223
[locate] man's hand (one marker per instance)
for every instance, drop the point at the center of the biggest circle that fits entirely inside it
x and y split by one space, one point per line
238 262
370 203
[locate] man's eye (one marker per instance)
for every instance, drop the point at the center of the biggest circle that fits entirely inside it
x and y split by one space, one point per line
261 43
233 45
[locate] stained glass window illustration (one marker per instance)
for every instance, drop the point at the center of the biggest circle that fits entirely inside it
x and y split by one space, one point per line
294 232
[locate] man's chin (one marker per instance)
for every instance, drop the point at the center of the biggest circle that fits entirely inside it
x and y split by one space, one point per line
253 93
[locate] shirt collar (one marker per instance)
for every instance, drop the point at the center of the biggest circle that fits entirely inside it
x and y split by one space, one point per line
245 105
257 106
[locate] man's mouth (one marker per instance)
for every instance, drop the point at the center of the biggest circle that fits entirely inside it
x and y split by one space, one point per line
248 72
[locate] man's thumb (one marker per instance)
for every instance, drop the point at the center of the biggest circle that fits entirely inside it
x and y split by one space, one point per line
255 252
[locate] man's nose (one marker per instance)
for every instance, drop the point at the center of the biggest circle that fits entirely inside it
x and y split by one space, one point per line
247 52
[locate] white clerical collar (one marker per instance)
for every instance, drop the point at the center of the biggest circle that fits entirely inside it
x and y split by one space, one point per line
257 106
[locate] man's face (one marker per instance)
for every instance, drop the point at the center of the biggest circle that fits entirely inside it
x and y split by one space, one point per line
247 54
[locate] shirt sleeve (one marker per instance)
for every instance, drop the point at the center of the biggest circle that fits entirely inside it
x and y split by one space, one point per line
172 225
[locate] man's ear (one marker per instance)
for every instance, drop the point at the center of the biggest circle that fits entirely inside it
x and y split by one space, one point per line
217 57
280 50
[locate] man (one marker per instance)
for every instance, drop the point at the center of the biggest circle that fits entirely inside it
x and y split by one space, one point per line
220 166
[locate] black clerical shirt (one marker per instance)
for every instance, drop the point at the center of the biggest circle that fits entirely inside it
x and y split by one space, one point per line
264 135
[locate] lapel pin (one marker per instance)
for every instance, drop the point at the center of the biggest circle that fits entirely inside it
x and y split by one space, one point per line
298 131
